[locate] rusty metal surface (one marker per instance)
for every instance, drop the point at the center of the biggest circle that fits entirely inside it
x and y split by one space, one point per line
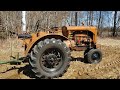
38 35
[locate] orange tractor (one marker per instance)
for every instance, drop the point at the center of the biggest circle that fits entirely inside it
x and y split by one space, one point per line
49 53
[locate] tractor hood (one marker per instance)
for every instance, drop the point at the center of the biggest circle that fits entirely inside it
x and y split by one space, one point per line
90 28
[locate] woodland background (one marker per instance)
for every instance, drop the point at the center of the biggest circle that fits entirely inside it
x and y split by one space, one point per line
108 22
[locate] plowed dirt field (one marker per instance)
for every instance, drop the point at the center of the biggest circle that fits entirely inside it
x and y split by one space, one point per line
108 68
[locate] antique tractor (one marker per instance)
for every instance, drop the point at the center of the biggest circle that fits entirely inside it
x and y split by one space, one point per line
49 52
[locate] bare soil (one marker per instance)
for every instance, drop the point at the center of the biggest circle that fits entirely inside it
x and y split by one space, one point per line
108 68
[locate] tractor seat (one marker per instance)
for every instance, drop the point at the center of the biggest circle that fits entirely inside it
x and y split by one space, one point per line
24 36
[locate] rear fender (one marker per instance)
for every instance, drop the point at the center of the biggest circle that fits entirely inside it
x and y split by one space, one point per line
33 43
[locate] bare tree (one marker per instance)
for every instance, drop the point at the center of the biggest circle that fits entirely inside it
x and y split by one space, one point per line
114 27
76 18
10 22
46 19
100 15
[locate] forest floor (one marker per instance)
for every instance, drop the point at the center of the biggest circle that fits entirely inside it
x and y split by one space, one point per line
108 68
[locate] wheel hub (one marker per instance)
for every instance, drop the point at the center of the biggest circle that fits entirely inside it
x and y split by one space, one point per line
95 56
51 59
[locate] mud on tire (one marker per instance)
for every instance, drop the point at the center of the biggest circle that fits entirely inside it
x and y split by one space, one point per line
50 58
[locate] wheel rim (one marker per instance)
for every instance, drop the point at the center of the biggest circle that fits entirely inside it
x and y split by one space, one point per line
51 59
96 56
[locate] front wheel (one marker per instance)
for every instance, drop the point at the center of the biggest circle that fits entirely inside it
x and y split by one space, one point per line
93 56
50 58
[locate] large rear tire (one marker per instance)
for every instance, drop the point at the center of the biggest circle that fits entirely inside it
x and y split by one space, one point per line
50 58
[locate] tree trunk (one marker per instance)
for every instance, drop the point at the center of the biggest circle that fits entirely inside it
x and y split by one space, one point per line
87 19
114 28
99 20
91 12
76 16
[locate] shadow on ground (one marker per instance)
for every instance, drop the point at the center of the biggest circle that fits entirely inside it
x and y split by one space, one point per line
26 70
81 59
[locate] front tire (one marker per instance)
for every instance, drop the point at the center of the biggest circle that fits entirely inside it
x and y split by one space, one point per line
93 56
50 58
